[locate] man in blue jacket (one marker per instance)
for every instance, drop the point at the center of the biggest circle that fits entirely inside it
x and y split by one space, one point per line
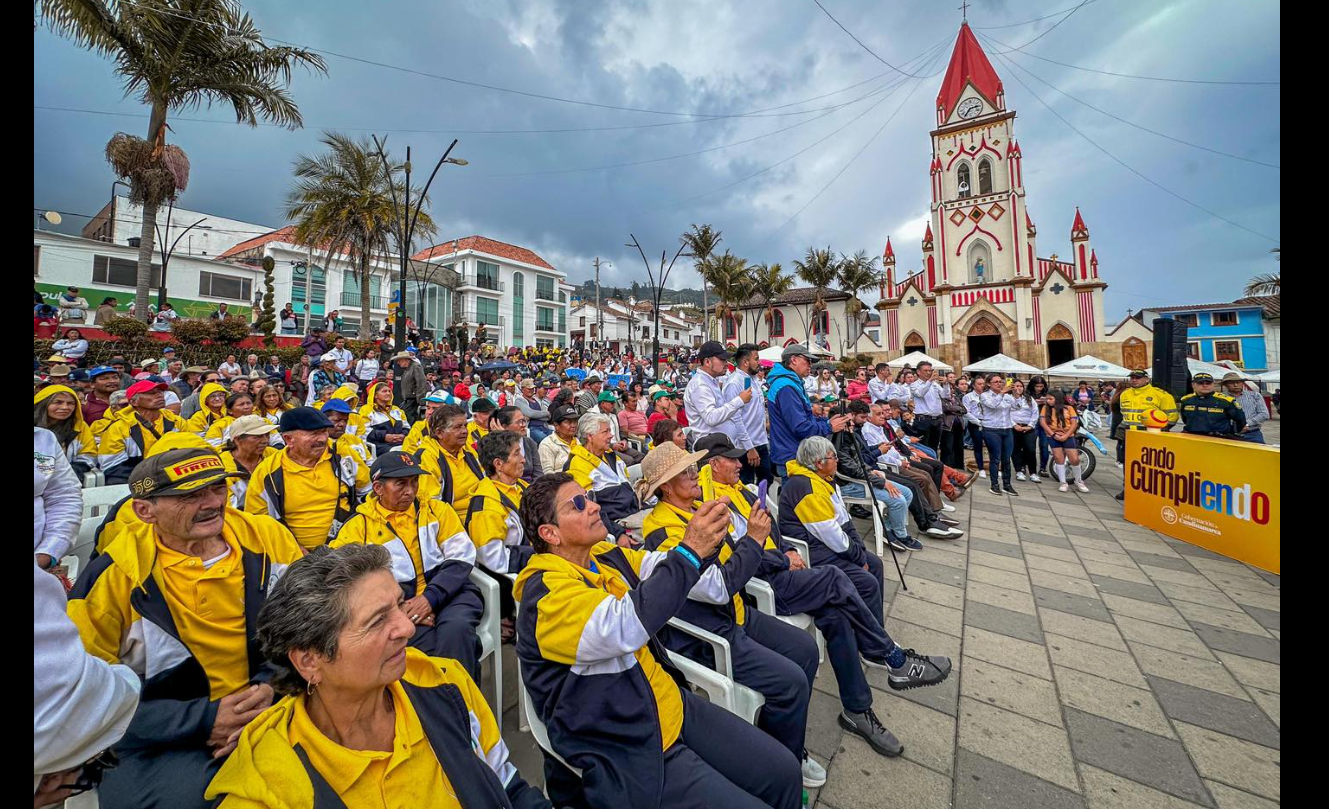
790 411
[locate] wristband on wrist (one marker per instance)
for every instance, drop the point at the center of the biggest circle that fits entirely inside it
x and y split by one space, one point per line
687 554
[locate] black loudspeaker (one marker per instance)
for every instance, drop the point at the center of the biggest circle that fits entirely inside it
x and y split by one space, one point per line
1170 371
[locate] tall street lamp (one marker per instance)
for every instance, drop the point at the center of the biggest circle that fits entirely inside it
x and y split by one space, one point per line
657 280
408 221
167 252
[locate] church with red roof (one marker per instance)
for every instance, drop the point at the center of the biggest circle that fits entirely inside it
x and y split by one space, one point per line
982 288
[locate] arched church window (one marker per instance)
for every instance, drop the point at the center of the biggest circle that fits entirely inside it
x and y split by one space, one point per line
962 183
985 176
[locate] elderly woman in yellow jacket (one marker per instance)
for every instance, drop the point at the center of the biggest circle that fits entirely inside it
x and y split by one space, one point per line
271 403
237 405
57 408
365 720
212 406
385 424
351 396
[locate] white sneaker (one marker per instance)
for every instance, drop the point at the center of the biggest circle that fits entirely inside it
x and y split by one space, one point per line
983 473
1120 465
1079 484
1035 479
947 507
1063 488
1019 476
814 775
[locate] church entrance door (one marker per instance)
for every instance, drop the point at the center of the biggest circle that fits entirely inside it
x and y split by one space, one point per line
982 346
1061 345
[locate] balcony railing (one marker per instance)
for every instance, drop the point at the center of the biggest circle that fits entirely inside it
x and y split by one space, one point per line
471 317
353 299
545 326
544 295
483 282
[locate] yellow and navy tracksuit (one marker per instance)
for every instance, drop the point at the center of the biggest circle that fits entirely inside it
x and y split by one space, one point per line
614 706
82 449
769 656
1135 402
474 432
273 417
495 527
811 509
128 438
200 422
1212 414
378 423
355 422
851 628
240 485
188 627
606 479
451 476
447 751
418 432
312 502
432 557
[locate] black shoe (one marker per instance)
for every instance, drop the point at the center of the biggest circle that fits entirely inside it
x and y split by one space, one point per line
1122 497
1009 489
996 489
947 521
867 726
860 511
919 670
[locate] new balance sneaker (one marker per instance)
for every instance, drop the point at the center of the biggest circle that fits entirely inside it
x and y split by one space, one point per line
919 670
814 775
1019 476
868 727
911 543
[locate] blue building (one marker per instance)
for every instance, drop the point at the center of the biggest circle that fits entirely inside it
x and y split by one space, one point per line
1220 331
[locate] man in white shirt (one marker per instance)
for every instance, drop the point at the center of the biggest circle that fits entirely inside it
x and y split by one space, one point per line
341 354
879 386
710 408
757 463
926 393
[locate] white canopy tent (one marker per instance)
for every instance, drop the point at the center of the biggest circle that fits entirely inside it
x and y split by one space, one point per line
913 358
1001 364
1088 367
1217 371
1270 377
772 353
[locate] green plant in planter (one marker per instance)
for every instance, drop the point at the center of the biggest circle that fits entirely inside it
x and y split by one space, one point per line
194 331
125 328
230 331
267 319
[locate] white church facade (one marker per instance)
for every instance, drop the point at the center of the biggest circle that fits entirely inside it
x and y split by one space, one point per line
983 288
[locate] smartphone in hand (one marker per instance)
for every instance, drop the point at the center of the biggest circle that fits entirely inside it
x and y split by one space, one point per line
747 382
761 493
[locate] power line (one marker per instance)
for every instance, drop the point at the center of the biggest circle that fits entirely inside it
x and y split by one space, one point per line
871 52
1028 22
935 51
140 222
1130 75
1133 170
1143 128
1053 27
495 87
846 166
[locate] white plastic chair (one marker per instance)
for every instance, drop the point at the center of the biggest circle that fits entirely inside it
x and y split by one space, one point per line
866 500
634 474
490 632
537 726
718 683
94 478
98 500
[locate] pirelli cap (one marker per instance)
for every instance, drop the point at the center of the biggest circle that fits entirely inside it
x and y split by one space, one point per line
177 472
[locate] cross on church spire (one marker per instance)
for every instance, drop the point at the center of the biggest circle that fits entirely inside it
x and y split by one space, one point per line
964 10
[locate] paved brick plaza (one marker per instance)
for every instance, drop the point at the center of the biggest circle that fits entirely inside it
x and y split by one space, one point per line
1097 664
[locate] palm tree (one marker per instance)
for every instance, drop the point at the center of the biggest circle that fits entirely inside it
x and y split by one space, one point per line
700 243
856 273
1264 284
728 275
178 54
769 282
341 202
818 268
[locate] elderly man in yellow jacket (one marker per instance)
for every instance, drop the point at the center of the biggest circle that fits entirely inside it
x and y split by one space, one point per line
176 597
132 432
432 557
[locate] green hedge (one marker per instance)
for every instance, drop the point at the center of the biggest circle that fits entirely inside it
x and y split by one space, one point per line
134 351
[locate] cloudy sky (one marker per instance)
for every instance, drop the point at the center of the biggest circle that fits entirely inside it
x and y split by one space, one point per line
762 118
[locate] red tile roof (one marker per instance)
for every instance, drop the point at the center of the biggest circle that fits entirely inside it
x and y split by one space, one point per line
968 65
286 234
483 245
1273 306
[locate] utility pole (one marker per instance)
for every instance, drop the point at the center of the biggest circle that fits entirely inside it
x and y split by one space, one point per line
599 318
309 287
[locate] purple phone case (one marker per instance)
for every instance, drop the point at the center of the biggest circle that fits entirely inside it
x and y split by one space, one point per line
761 493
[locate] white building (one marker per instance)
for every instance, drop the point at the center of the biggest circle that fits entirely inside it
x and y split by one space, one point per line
194 284
121 220
793 321
629 326
332 287
521 299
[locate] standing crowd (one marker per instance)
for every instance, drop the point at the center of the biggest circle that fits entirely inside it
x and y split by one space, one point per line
283 610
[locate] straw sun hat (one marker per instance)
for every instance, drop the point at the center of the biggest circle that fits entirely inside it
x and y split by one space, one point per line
663 464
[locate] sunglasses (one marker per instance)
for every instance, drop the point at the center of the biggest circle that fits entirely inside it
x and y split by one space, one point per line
578 502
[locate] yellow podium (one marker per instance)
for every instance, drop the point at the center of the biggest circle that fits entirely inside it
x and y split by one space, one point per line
1224 496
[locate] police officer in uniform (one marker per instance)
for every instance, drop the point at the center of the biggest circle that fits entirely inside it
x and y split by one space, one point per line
1208 412
1135 401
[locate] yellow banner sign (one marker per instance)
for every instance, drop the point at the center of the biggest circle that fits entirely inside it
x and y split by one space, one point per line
1222 495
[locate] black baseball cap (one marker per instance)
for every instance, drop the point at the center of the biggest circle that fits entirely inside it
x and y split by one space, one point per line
177 472
396 464
714 348
303 418
483 405
564 413
718 445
